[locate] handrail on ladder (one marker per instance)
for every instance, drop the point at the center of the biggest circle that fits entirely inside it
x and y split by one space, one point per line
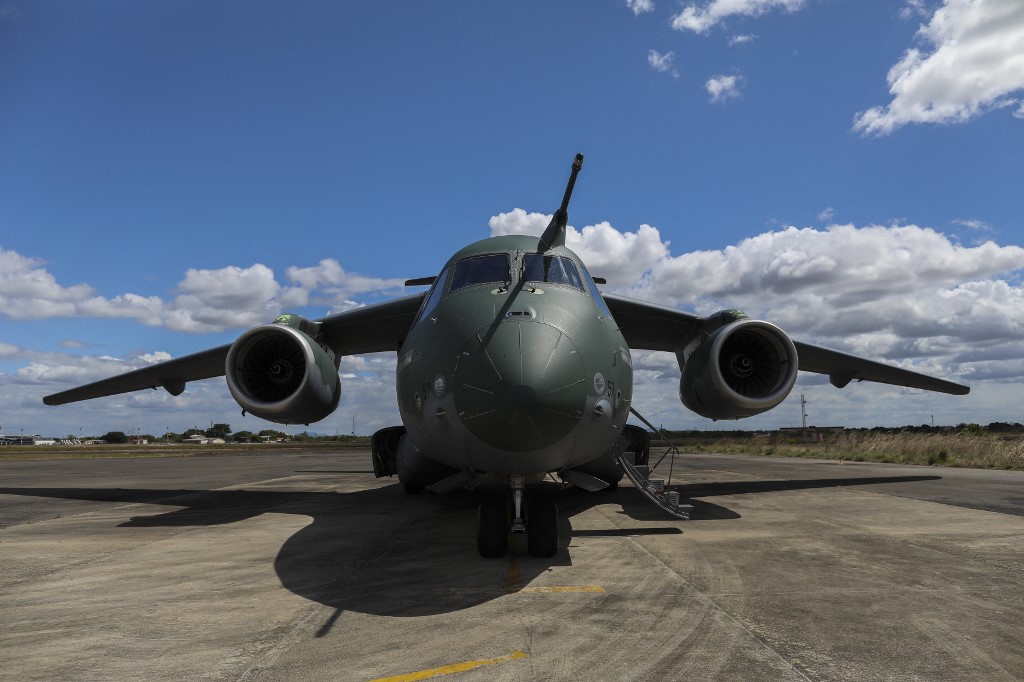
671 448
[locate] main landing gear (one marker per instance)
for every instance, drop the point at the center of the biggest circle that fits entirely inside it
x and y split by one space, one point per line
497 518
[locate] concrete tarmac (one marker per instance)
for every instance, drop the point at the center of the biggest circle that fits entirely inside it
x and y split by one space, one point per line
305 567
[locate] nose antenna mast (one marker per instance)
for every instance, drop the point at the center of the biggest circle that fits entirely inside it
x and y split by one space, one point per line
554 234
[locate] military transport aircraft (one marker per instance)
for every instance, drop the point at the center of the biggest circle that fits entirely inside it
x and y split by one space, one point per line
511 367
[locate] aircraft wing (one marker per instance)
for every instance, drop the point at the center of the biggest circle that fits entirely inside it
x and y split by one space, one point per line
842 368
172 375
372 328
648 326
654 327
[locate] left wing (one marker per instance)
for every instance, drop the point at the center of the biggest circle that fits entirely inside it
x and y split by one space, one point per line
654 327
843 368
372 328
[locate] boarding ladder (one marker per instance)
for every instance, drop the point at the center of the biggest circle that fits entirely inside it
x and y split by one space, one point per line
655 489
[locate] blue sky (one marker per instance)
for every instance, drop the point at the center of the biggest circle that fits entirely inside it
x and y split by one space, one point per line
174 172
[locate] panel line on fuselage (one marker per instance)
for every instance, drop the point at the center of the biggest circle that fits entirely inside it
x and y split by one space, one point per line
551 357
488 356
536 431
481 414
555 390
477 388
560 413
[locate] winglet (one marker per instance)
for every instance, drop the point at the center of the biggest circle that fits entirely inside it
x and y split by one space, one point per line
554 234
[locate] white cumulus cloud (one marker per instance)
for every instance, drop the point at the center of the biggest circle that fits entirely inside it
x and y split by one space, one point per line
971 61
204 301
723 87
702 18
662 62
330 279
620 257
640 6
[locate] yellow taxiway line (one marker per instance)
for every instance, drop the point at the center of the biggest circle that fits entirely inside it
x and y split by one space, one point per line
453 668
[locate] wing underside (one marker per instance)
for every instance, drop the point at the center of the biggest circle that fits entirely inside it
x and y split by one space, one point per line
370 329
653 327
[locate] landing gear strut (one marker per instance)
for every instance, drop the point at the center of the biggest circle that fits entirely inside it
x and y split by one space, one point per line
496 518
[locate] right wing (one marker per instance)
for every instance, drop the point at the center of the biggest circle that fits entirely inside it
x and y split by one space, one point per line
171 375
370 329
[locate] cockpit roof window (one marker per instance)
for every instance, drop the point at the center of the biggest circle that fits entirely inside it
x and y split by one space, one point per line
480 270
551 269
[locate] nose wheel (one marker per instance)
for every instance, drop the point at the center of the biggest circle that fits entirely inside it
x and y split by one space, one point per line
542 527
497 518
492 527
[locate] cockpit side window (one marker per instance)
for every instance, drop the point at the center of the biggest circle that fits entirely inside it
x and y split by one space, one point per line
435 296
480 270
551 269
596 294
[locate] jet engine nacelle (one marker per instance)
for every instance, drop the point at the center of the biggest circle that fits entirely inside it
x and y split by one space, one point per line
743 368
278 372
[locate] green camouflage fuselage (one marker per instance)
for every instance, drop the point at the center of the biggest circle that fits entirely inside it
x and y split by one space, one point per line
517 376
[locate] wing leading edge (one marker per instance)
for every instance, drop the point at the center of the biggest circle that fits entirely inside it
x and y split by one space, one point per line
370 329
653 327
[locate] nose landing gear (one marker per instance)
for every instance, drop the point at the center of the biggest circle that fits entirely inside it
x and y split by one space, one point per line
540 523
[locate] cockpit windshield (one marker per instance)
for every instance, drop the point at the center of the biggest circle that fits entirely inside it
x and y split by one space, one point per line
552 269
480 270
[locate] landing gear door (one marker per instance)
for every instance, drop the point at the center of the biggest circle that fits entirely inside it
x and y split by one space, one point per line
384 450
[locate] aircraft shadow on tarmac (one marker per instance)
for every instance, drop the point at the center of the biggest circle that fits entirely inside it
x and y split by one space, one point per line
382 552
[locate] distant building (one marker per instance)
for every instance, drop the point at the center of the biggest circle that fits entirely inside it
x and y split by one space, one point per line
18 440
199 439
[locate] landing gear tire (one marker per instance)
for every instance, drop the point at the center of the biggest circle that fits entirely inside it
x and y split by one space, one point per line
492 528
542 528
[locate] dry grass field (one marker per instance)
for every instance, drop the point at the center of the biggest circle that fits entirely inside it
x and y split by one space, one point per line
966 448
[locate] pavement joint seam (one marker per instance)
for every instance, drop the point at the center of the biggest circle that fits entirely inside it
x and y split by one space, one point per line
718 607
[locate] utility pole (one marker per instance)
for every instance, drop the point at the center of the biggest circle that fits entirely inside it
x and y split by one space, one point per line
803 413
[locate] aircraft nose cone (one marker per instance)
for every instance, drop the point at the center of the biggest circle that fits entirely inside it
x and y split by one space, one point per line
523 396
520 385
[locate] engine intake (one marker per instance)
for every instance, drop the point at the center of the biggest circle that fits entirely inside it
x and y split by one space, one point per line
279 373
743 368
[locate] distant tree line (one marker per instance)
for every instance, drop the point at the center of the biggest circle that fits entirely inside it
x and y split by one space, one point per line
224 432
